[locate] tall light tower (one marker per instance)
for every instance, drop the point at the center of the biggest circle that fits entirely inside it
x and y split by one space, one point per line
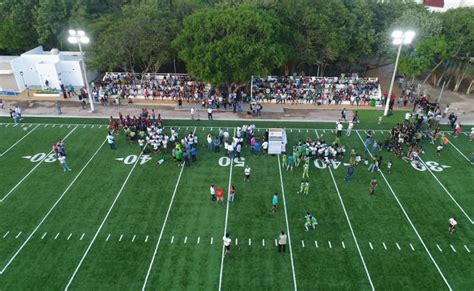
399 38
79 37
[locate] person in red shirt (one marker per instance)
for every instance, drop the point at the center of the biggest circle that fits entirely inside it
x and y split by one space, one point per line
220 195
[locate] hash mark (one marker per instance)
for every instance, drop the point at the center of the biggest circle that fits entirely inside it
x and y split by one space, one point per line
199 239
412 248
302 243
236 241
107 239
69 236
250 242
330 245
398 247
146 238
370 245
439 248
5 235
82 236
44 235
452 247
343 245
263 242
121 236
384 246
212 240
18 235
185 239
467 249
316 243
276 243
133 239
57 235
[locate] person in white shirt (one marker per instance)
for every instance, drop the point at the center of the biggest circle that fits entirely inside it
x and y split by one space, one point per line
227 242
407 117
265 146
193 111
212 190
230 150
339 129
349 128
111 141
63 162
247 174
209 142
452 224
209 113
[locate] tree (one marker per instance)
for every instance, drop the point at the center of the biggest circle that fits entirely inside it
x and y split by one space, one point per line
142 42
50 16
17 33
226 46
427 53
458 29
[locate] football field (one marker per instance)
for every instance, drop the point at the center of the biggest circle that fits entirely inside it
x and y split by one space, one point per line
120 221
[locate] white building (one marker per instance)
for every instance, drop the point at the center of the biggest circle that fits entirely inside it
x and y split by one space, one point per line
37 67
443 5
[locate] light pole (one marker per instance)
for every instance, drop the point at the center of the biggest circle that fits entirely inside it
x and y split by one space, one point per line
79 37
399 38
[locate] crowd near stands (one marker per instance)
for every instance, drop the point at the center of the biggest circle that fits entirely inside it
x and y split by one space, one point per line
317 90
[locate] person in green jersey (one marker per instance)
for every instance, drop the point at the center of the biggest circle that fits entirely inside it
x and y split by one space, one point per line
284 160
306 170
301 187
306 188
179 157
310 221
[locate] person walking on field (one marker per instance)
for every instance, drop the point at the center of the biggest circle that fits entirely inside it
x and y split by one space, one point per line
63 162
231 193
247 173
373 186
227 243
274 202
212 190
282 240
209 113
111 141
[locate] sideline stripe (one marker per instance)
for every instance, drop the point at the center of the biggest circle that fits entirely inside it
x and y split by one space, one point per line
225 223
103 222
51 209
287 224
2 154
163 227
350 225
455 147
34 168
411 223
447 192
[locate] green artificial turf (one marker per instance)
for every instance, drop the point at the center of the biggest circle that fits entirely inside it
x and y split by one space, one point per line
110 225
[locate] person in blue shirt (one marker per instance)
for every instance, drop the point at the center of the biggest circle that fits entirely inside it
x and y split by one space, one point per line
217 145
257 148
350 172
186 158
274 202
193 153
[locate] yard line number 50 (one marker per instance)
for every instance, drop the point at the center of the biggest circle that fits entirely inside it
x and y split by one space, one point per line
225 162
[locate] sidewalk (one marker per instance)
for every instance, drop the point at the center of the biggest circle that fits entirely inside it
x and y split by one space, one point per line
170 110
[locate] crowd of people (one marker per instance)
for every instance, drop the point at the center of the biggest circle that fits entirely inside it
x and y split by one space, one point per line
316 90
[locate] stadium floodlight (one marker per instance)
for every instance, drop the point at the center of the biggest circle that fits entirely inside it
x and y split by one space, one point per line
399 38
79 37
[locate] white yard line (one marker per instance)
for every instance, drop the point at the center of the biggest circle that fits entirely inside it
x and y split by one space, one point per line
102 223
32 170
225 222
51 209
287 225
163 227
447 192
12 146
350 225
411 224
456 148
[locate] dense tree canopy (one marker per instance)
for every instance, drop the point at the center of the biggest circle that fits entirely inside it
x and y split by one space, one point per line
283 36
223 46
